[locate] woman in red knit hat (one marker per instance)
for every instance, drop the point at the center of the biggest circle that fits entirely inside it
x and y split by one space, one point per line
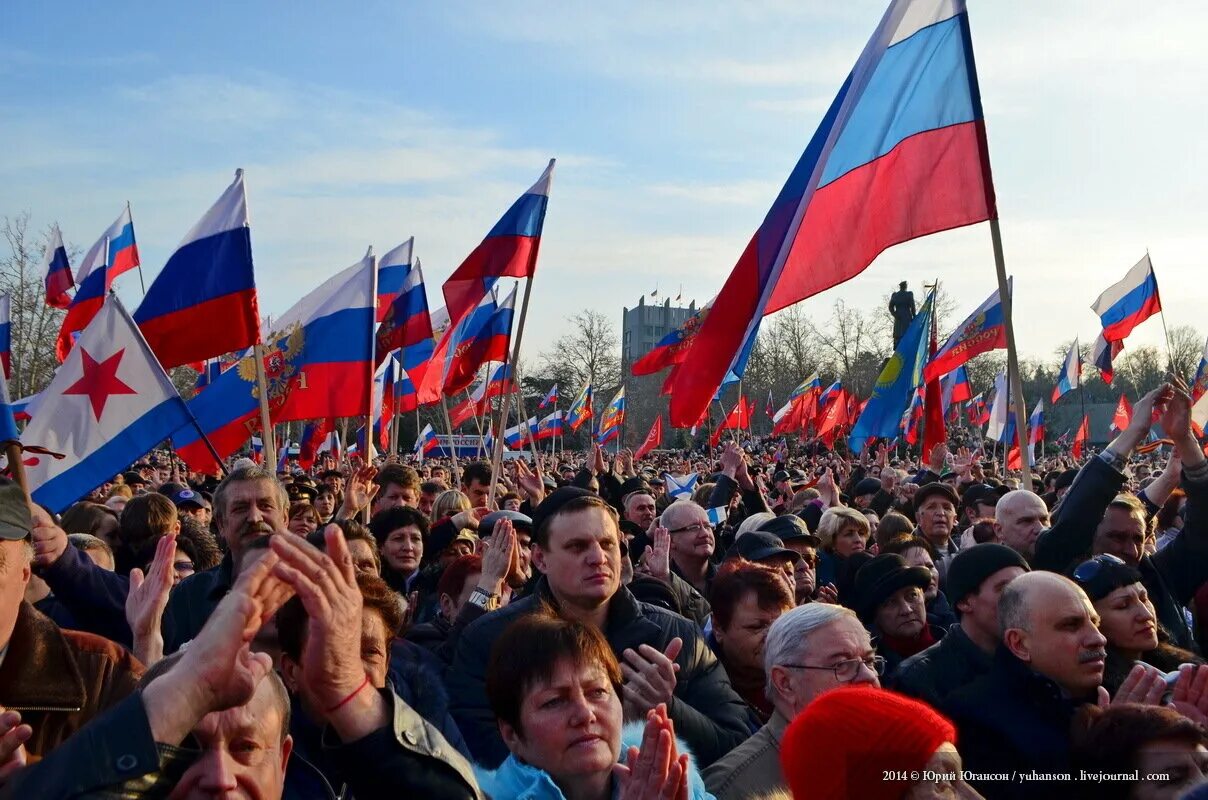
872 744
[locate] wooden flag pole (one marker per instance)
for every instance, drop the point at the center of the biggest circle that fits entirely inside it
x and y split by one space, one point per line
497 452
444 407
1016 384
267 440
373 292
16 466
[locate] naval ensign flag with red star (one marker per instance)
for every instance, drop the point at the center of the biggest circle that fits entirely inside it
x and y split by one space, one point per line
109 404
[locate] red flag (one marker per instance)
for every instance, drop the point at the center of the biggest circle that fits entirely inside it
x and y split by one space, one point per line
834 419
1123 414
739 419
934 432
1080 437
653 439
1013 459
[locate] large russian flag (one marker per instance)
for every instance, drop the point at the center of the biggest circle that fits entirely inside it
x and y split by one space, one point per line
900 153
317 367
203 302
404 393
58 279
982 331
392 271
510 250
481 336
1130 302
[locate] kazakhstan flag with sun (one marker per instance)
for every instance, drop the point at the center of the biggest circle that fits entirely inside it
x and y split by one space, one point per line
895 386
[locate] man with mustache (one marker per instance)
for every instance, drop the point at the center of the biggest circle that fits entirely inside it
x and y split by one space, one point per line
249 505
1016 718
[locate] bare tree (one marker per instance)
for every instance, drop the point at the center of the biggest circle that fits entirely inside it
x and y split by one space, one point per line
1140 370
34 325
1186 346
589 349
852 345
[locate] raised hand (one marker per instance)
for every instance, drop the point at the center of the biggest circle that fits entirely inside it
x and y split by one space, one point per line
500 557
655 771
334 680
359 492
599 465
49 540
1144 685
656 561
532 483
1190 696
649 676
13 736
147 599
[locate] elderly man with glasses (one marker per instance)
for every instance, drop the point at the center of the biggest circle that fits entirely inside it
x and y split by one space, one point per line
808 651
692 543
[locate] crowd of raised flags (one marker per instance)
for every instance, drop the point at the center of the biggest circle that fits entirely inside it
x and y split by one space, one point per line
365 345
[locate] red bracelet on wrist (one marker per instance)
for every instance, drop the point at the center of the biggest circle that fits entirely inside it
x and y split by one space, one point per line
344 702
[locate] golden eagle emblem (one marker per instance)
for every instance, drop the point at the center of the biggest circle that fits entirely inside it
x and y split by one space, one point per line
280 370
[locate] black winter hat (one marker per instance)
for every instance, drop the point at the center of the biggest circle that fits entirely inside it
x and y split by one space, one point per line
931 489
553 502
790 528
973 565
880 578
866 486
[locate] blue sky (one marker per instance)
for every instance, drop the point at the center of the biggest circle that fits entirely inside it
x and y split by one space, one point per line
674 125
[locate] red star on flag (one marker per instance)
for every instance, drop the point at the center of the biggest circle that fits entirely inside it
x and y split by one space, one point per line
100 380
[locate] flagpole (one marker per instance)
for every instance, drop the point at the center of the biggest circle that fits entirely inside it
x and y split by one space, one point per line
482 445
497 454
1004 297
373 292
16 466
1162 314
141 285
444 406
268 440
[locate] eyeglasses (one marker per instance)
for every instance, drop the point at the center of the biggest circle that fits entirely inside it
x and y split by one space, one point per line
1088 570
698 527
847 671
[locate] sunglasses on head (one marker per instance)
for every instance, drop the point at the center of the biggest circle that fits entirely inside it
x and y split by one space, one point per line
1089 570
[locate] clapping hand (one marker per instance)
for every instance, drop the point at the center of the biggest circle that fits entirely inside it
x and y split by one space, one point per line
147 599
655 771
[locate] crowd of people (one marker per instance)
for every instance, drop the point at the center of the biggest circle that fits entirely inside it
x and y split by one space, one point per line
798 623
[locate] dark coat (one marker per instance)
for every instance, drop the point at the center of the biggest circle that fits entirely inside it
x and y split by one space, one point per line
1013 720
192 602
941 669
59 679
1171 576
95 596
707 713
940 613
894 660
116 756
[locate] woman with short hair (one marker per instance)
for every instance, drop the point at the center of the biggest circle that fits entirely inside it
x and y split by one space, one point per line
844 532
559 712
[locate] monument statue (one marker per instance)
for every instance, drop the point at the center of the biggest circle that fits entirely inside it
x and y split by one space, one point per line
901 306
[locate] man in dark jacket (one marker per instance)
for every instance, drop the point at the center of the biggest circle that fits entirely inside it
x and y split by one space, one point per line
1091 520
576 547
1016 718
890 602
976 579
249 505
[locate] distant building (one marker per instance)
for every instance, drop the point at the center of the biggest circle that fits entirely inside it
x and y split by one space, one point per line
644 325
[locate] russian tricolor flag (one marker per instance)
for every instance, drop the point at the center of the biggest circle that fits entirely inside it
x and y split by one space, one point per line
318 366
549 427
1128 303
313 435
405 321
426 441
58 271
1071 373
519 433
88 299
481 336
612 418
900 153
510 250
1036 428
671 348
404 393
1200 384
551 397
123 249
1104 354
203 302
956 387
982 331
392 271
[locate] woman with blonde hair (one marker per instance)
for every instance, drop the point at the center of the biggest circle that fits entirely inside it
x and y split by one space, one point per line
448 503
844 532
